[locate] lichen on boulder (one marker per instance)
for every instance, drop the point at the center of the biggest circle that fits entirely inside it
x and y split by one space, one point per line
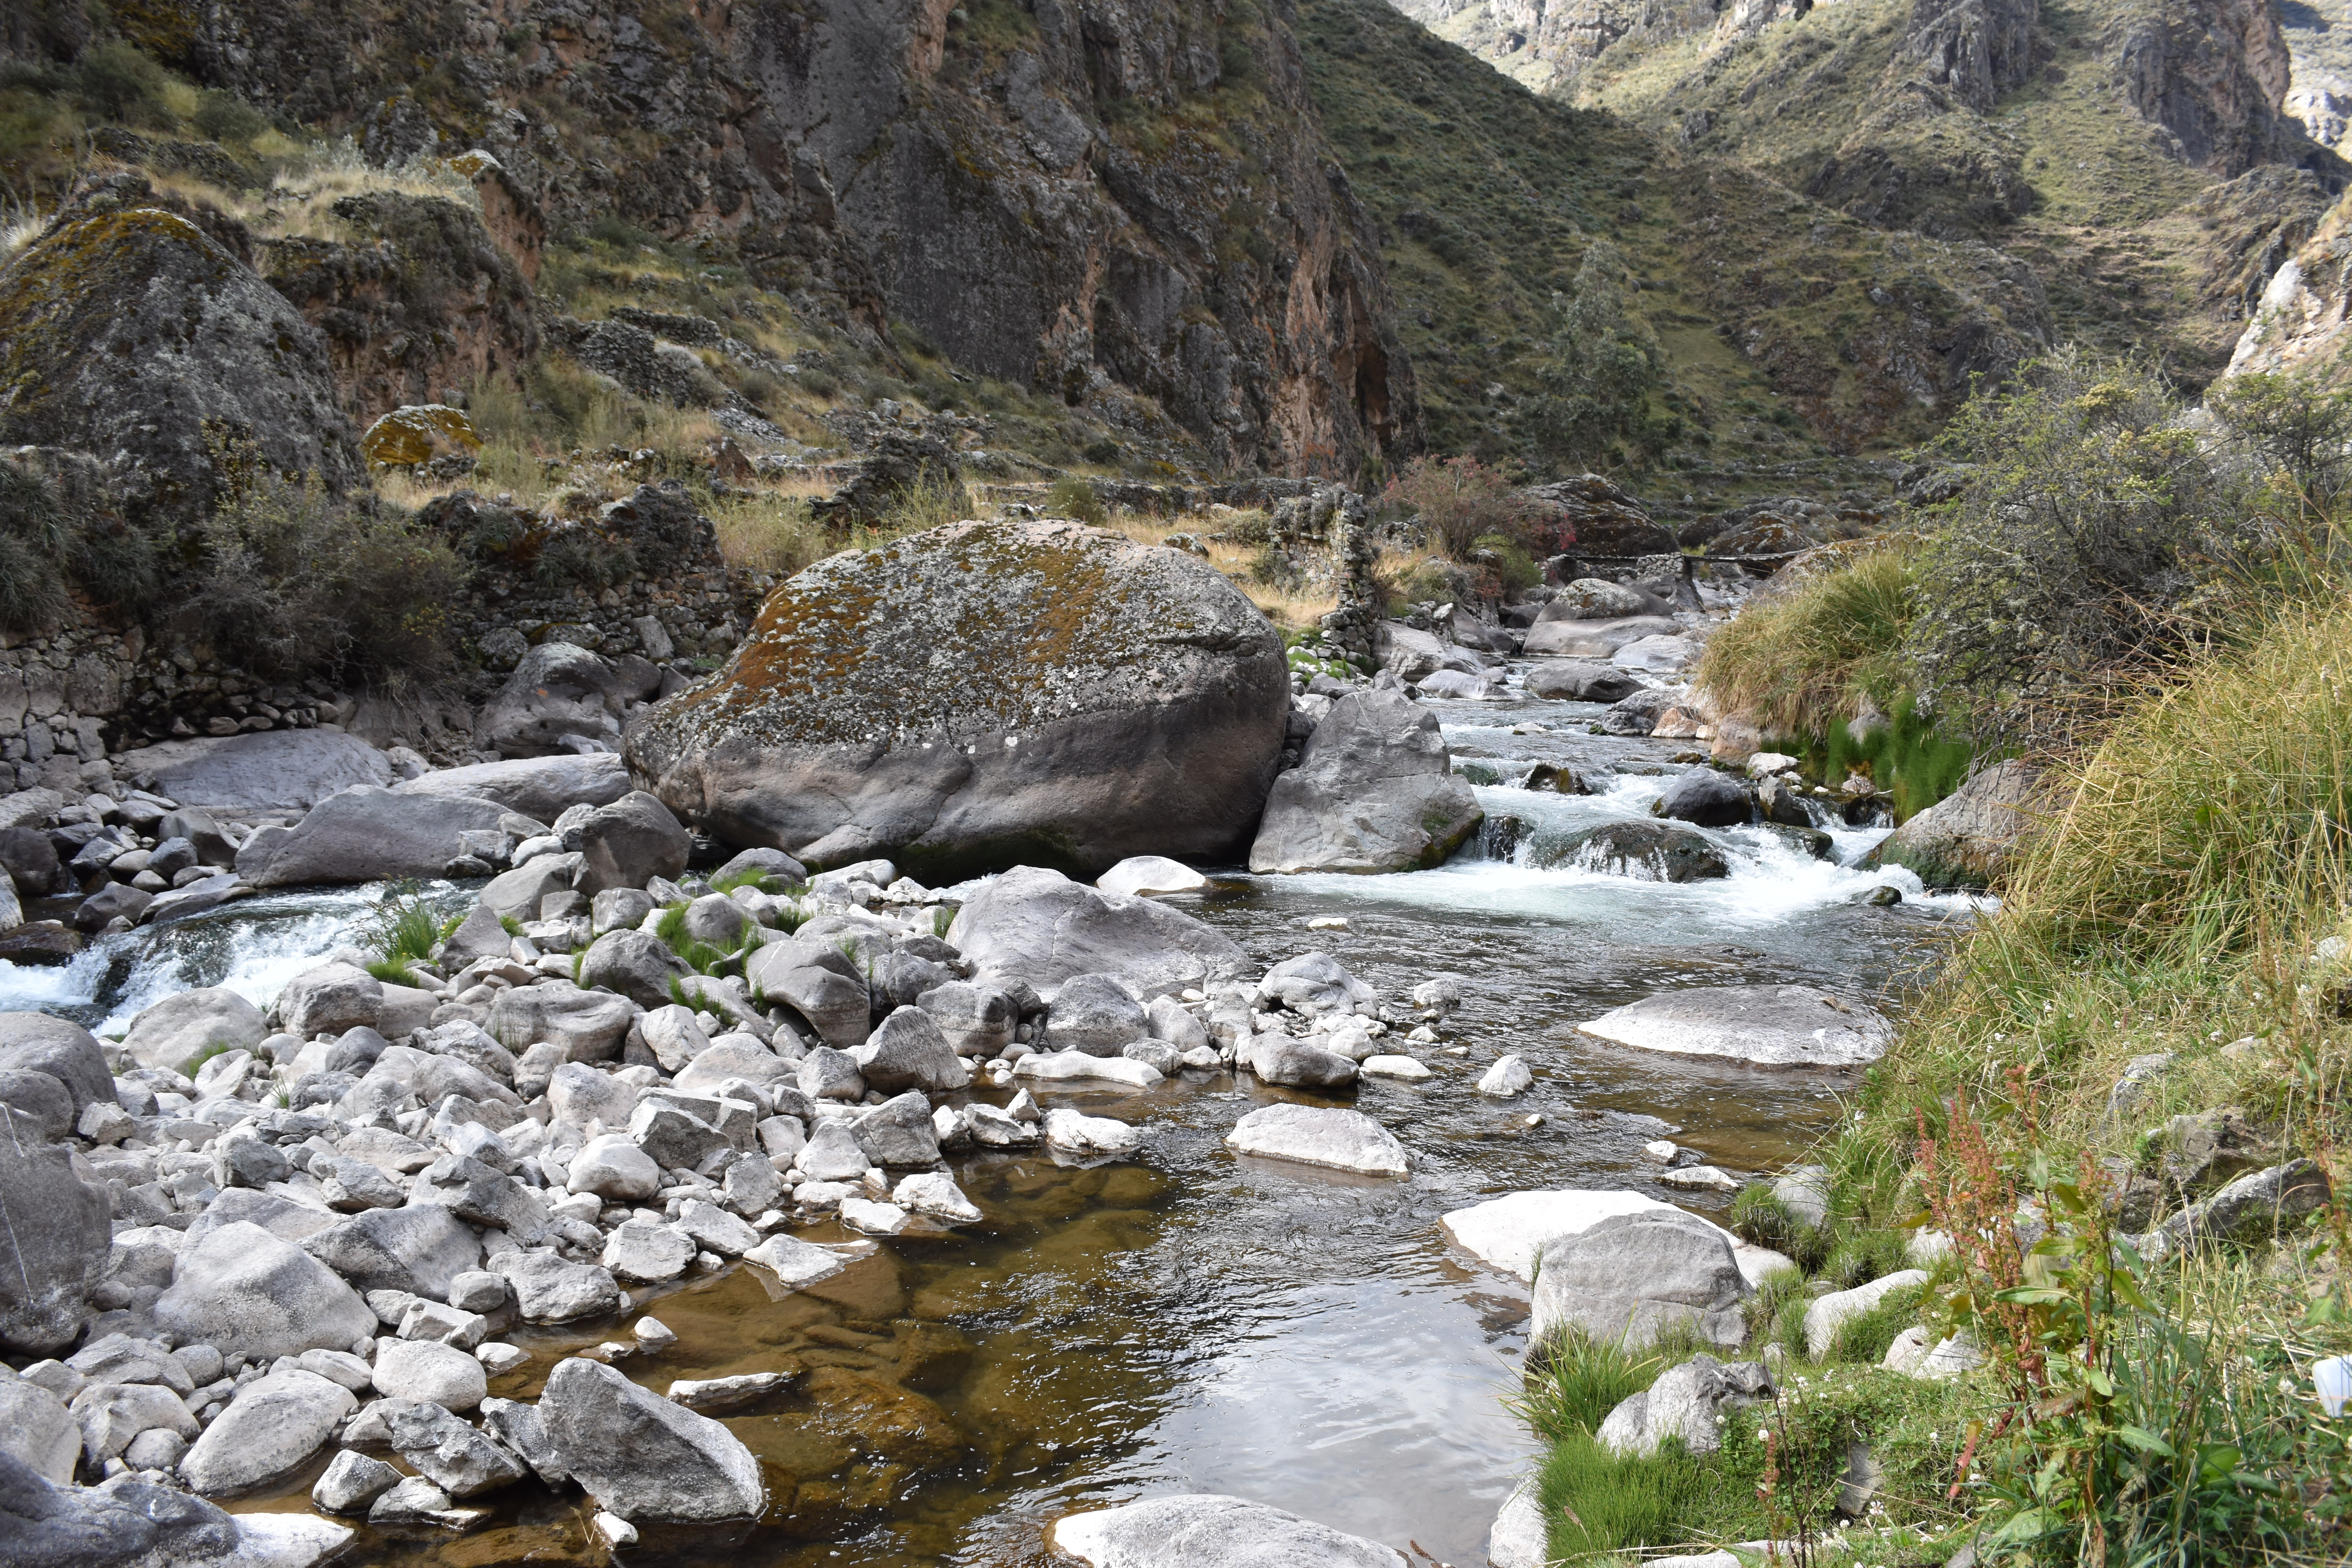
980 695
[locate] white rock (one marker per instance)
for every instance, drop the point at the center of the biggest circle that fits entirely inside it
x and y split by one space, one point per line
1385 1066
1507 1233
498 1358
1663 1151
873 1218
430 1373
1771 1026
1142 874
1509 1076
935 1192
1699 1178
274 1424
1198 1530
1827 1314
796 1262
1320 1135
1074 1066
1080 1134
1519 1538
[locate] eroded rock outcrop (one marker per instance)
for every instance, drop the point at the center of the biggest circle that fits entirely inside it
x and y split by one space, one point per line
983 694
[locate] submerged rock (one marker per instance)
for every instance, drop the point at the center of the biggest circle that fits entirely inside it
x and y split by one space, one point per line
1769 1025
1645 851
1204 1531
982 693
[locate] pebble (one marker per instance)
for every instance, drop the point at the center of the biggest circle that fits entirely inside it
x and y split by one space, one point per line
1509 1076
1663 1151
653 1335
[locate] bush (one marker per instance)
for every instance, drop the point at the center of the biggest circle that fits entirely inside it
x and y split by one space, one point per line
54 542
2294 429
119 83
1073 497
1763 1220
1459 501
2061 571
287 583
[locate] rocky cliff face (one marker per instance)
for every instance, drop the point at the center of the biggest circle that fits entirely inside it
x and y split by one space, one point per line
2212 75
1060 195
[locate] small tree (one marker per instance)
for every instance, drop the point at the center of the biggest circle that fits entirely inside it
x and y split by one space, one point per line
2289 426
1459 501
1601 371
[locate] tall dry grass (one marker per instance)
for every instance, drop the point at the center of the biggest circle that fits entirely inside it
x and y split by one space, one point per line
1802 661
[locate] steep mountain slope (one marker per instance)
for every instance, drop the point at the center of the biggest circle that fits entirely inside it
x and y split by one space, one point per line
1061 199
1788 329
2135 153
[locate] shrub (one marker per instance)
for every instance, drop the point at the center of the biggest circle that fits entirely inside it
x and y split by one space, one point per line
287 583
1458 500
768 532
225 117
119 83
54 542
1075 498
1763 1220
2291 428
2061 570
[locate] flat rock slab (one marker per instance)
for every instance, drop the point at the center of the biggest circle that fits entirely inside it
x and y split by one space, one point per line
1320 1135
274 770
1205 1531
1768 1025
1077 1066
541 788
1507 1233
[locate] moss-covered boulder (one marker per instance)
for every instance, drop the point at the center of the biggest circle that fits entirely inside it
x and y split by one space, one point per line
131 335
982 695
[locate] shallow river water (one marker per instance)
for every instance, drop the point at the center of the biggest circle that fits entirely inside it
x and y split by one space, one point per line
1195 1321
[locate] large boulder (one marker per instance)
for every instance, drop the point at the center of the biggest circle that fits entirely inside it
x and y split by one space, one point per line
633 963
274 1424
330 999
1510 1232
982 694
58 1240
1204 1531
641 1457
246 1292
1769 1026
1689 1402
420 1249
1645 851
1582 680
910 1052
174 1030
133 335
126 1523
541 788
35 1042
1593 639
1633 1275
629 843
585 1026
273 770
558 690
1966 839
37 1430
1373 790
368 834
1705 797
1039 927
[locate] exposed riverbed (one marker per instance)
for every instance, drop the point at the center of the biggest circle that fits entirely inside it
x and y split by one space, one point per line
1192 1322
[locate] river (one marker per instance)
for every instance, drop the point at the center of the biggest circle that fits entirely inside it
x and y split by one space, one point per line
1193 1321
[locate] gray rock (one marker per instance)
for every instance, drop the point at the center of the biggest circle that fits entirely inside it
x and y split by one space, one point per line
35 1042
614 1169
629 843
270 771
898 1131
116 900
517 894
366 834
1593 639
643 1458
738 1058
539 787
1827 1314
518 1429
977 1020
1705 797
634 964
1645 851
1519 1538
273 1424
548 1289
37 1430
1313 984
1295 1062
908 1051
587 1026
1581 680
828 1074
58 1240
1968 837
1771 1026
352 1482
1039 928
1320 1135
714 918
580 1095
174 1030
249 1293
126 1523
1373 790
430 1373
1172 1024
480 934
1203 1530
648 1251
1689 1402
1632 1274
837 1008
557 690
281 1218
418 1501
832 1154
713 1229
330 999
444 1450
2252 1208
1074 755
1096 1014
112 1414
674 1139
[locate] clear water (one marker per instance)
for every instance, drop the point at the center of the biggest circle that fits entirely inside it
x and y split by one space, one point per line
1196 1321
